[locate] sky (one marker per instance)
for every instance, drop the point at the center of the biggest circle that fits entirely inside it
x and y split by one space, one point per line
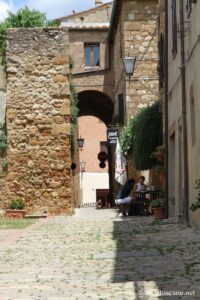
53 8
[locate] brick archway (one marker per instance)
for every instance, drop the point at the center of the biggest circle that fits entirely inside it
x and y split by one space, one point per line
97 104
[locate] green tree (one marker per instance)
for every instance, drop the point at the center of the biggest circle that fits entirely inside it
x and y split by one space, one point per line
25 18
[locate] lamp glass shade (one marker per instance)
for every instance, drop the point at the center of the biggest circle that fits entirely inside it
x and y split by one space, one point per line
82 164
129 64
80 142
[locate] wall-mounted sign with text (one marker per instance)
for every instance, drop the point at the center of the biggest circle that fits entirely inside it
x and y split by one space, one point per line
112 135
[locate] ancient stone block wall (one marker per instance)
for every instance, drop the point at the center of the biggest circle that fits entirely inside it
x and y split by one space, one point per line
137 27
38 121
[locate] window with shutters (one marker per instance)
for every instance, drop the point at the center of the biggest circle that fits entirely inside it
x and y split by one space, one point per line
174 28
121 105
161 60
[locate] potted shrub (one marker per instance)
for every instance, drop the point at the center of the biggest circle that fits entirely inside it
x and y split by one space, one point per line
159 153
158 208
16 209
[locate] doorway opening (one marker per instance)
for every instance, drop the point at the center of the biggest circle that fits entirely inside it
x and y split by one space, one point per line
93 175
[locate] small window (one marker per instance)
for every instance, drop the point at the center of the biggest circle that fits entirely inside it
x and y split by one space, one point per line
174 28
92 55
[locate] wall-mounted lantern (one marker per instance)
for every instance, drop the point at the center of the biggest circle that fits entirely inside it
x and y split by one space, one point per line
82 165
129 65
80 142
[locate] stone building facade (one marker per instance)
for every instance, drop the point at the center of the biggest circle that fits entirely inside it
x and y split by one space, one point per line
182 121
38 106
38 121
133 32
90 29
94 81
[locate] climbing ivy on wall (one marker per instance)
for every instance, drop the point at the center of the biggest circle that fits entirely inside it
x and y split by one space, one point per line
142 135
3 148
22 18
73 109
3 141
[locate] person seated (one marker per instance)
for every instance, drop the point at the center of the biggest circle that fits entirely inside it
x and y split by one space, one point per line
99 203
123 197
140 186
142 206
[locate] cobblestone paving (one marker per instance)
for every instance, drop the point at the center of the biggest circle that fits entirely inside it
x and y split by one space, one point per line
94 255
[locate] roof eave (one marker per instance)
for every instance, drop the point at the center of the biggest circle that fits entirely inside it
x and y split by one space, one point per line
82 12
114 19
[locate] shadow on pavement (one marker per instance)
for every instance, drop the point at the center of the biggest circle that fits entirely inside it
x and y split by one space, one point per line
140 259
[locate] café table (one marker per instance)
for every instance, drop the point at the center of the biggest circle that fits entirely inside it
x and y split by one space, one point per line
143 201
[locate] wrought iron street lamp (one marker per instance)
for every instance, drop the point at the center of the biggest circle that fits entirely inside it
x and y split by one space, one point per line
80 142
129 65
82 165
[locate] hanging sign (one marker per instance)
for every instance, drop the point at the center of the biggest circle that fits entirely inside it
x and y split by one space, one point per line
112 136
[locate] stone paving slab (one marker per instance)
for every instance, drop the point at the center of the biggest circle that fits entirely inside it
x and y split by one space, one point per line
94 255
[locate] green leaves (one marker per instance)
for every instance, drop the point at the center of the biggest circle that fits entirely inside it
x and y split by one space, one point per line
142 135
196 205
24 18
17 204
3 144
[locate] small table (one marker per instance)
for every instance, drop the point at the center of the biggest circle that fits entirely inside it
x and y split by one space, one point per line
143 200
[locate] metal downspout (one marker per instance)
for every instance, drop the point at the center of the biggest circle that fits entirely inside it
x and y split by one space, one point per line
166 113
184 120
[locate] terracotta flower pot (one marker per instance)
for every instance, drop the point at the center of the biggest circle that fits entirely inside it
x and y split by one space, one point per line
159 156
15 213
159 212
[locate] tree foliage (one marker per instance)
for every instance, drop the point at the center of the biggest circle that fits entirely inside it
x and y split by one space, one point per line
25 18
142 135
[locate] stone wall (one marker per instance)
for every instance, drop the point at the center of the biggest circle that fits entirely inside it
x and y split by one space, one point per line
38 121
98 14
136 35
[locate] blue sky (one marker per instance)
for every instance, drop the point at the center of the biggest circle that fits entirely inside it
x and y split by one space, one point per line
53 8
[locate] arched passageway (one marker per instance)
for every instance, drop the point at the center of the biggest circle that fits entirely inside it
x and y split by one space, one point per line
97 104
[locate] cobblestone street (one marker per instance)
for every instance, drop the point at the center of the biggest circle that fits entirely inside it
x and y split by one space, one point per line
94 255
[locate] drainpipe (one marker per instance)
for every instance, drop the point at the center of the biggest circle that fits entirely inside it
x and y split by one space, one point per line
166 113
184 120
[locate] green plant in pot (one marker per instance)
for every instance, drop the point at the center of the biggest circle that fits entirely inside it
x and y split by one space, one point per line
158 208
16 209
159 153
